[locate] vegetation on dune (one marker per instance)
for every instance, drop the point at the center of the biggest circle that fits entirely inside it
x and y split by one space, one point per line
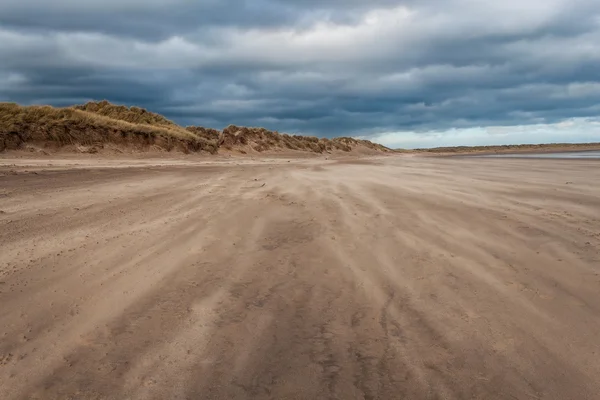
56 127
135 115
206 133
261 139
97 124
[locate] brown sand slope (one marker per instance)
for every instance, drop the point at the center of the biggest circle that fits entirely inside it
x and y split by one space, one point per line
375 279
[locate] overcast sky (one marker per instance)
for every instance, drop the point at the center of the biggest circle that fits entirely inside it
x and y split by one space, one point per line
406 73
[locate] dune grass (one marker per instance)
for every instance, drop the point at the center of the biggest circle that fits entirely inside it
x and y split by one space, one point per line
101 123
72 126
134 115
261 139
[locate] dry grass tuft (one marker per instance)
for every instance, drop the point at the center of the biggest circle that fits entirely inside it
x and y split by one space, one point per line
135 115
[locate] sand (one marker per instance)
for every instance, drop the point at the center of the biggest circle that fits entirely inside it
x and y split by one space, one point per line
385 278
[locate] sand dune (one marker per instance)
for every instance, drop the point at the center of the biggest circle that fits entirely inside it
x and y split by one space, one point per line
385 278
105 128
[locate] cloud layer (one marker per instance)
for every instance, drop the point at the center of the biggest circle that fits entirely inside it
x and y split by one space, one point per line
410 69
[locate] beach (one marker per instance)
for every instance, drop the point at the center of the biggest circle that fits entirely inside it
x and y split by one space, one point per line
271 278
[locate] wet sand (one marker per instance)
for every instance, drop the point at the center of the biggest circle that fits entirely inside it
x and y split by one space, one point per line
388 278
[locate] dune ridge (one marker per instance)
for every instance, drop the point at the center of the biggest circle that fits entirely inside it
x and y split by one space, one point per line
96 126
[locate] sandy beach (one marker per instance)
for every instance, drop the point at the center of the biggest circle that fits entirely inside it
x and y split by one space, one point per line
396 277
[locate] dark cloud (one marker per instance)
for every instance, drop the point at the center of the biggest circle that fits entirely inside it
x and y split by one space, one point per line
322 67
157 20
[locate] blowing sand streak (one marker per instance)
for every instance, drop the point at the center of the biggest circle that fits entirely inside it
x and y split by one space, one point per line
383 278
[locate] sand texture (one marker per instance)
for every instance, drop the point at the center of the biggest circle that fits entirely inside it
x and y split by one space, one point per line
384 278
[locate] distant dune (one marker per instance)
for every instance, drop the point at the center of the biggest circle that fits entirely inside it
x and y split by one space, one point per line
511 148
105 127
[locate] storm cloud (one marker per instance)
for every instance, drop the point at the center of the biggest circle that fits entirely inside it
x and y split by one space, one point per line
405 73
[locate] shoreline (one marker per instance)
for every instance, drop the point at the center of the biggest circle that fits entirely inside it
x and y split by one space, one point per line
505 149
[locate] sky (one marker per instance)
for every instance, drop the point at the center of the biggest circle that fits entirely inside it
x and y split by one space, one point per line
404 73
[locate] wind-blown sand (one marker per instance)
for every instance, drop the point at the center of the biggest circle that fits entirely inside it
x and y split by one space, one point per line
388 278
